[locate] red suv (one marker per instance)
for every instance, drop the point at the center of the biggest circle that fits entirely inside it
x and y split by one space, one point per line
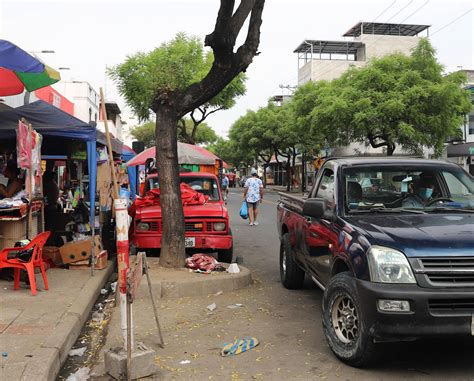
206 226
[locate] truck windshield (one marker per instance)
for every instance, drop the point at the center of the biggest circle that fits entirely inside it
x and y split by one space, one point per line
204 185
405 188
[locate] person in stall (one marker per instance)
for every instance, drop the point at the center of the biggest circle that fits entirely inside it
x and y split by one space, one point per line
14 185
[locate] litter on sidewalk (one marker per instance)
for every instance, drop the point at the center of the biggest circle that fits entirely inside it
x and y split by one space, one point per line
203 263
234 306
212 307
82 374
77 351
239 346
233 268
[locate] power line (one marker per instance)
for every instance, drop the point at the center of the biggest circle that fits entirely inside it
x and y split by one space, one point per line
416 11
411 1
385 10
451 22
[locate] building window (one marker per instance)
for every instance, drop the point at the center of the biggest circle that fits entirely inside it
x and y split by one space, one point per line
95 117
90 114
471 124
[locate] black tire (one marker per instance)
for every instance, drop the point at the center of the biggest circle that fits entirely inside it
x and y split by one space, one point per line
226 255
292 276
350 341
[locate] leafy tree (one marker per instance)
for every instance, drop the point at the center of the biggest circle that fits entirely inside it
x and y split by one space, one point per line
201 134
169 81
144 133
204 134
394 100
231 152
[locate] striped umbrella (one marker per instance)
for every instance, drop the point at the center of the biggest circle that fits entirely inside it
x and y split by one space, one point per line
20 70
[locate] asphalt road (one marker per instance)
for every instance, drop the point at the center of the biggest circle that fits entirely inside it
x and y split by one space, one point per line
298 329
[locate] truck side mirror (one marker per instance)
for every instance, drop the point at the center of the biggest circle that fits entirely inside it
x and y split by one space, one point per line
314 207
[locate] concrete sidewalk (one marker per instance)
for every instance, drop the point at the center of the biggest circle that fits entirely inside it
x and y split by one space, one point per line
37 332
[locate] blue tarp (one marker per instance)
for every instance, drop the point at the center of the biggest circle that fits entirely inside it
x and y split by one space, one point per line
47 120
128 154
51 121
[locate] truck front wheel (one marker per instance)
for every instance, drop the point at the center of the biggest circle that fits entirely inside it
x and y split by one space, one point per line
343 323
291 275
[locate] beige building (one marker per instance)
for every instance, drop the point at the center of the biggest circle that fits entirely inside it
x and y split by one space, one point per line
327 60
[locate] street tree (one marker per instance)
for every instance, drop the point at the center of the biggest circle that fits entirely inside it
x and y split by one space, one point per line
204 134
393 101
144 133
231 152
189 133
167 82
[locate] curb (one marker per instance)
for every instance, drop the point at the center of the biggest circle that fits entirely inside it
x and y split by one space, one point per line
196 284
54 350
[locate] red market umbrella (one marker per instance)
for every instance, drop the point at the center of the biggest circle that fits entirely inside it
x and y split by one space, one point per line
20 70
187 154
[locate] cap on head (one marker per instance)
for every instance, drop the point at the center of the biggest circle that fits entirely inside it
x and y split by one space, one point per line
253 172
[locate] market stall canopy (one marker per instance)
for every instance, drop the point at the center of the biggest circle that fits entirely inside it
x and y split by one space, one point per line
127 153
47 120
187 154
20 70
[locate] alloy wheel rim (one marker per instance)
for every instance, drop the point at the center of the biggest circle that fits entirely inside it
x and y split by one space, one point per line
345 321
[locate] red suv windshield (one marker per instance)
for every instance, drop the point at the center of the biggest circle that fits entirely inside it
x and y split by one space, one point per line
204 185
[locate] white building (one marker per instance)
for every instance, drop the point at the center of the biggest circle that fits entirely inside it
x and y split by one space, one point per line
114 120
84 97
327 60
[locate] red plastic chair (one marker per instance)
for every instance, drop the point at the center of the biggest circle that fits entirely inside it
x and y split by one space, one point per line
36 260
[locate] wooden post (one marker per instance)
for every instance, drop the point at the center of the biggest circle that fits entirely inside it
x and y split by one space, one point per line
121 219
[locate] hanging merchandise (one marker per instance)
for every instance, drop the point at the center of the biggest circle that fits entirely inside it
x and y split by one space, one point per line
79 151
23 146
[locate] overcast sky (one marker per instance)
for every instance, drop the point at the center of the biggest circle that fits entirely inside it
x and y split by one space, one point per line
89 35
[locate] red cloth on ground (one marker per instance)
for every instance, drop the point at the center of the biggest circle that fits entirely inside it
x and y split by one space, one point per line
201 262
189 196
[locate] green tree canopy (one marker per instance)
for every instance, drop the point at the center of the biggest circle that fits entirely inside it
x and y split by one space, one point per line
394 100
173 66
146 133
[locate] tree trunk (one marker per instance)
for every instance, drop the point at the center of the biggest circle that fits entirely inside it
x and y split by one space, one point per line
172 243
265 175
390 149
288 175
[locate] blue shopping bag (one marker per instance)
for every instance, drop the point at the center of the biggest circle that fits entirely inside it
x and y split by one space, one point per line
244 212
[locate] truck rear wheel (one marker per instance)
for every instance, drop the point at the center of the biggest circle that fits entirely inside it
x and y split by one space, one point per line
291 275
225 255
343 323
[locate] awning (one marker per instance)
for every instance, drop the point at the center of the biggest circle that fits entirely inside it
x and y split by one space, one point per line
47 120
463 149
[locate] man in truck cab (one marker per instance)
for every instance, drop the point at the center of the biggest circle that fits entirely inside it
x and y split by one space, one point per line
424 190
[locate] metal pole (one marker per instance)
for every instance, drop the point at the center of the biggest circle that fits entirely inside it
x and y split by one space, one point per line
155 310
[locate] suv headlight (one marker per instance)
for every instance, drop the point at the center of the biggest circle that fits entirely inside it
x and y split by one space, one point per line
143 226
219 226
388 265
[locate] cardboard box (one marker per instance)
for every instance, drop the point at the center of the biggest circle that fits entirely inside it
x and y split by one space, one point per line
11 232
76 251
52 253
100 262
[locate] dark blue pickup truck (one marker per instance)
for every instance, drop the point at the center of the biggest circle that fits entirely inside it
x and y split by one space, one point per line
391 243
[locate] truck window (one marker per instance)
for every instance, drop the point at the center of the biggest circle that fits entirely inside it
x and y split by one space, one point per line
326 186
204 185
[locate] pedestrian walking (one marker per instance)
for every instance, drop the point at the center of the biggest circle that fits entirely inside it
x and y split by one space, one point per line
225 186
253 195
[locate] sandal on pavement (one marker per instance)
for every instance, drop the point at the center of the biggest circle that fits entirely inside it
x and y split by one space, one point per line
239 346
